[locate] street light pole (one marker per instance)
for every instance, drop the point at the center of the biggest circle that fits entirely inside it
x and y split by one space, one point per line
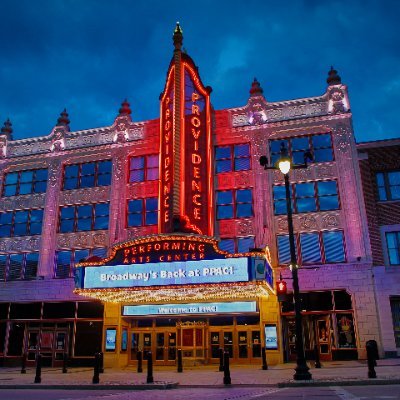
302 371
284 164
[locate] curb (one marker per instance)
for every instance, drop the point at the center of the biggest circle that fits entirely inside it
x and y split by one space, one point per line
361 382
143 386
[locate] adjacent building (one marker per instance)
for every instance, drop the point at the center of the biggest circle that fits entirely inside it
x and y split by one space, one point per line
168 233
380 172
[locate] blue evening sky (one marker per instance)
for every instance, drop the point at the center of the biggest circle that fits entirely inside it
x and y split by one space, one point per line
88 55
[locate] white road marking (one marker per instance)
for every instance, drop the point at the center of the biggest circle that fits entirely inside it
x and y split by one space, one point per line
344 394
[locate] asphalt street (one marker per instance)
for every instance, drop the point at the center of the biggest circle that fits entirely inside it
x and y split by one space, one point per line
229 393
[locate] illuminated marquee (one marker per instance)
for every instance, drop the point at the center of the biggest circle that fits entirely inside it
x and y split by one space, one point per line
172 273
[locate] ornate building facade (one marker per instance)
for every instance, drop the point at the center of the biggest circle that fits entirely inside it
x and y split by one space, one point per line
87 217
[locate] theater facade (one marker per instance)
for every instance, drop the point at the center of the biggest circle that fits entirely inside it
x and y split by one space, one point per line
165 234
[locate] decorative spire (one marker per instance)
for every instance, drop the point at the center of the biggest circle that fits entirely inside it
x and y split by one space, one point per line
63 119
178 37
6 129
256 89
125 108
333 77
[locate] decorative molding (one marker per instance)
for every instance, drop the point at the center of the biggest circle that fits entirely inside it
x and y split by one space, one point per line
133 233
309 222
26 201
244 227
20 244
341 137
118 165
89 195
143 189
82 240
276 113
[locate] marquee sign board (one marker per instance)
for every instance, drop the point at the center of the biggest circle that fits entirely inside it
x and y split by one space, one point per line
172 260
190 308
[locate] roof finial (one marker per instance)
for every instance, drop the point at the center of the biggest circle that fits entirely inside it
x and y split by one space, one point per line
178 37
7 130
125 108
333 77
256 89
63 119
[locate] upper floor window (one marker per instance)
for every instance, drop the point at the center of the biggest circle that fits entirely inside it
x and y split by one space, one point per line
85 175
86 217
232 158
319 145
393 247
234 204
237 245
308 197
313 248
18 266
143 212
25 182
388 185
21 223
65 260
143 168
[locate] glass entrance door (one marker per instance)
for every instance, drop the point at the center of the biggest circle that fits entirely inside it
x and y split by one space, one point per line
166 346
140 341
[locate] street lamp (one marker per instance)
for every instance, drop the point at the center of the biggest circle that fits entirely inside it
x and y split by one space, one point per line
284 164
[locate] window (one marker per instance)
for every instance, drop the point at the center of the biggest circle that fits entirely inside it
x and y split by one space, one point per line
234 204
143 168
388 185
85 175
309 197
18 266
232 158
25 182
143 212
237 245
313 248
87 217
393 247
21 223
65 260
319 145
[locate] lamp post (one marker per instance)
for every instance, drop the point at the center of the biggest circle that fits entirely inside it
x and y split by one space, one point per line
284 165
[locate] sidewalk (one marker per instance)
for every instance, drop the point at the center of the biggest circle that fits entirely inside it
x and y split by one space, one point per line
332 373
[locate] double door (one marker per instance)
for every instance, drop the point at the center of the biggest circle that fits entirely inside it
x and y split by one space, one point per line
242 344
50 343
161 343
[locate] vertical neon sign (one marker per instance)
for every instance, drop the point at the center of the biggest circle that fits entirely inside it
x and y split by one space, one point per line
186 178
167 156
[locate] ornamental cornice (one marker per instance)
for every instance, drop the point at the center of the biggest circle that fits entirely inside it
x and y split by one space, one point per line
58 142
309 222
82 240
83 196
298 121
20 244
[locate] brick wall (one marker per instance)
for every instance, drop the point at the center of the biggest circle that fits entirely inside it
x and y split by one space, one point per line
378 213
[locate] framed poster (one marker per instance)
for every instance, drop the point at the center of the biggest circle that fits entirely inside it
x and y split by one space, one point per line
271 337
124 340
111 338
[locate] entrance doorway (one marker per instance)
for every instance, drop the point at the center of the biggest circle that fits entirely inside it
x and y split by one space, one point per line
51 343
